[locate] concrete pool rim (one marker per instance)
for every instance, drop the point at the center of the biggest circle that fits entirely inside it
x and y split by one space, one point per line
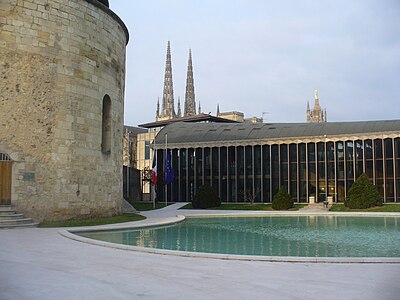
72 234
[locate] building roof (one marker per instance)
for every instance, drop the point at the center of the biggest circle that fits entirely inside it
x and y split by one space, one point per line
134 130
194 118
182 132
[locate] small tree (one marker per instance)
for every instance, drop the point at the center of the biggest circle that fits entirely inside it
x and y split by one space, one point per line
206 197
363 194
249 196
282 200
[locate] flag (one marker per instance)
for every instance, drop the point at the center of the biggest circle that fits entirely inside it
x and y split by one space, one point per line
169 173
154 169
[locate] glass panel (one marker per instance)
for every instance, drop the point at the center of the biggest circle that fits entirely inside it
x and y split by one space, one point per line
191 173
321 172
378 149
388 148
390 190
340 171
215 169
368 149
199 167
224 174
369 168
257 173
240 179
397 147
359 158
146 149
175 168
275 169
302 173
312 185
183 181
266 174
232 174
249 173
207 166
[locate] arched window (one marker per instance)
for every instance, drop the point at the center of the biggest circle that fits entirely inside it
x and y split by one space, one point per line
106 125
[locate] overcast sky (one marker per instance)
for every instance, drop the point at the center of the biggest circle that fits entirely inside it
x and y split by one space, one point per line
258 56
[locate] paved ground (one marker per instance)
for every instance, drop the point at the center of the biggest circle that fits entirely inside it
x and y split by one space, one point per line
41 264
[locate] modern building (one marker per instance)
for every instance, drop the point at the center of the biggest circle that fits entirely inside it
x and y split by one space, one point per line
314 161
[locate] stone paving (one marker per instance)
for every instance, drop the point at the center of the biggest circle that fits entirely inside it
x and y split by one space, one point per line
41 264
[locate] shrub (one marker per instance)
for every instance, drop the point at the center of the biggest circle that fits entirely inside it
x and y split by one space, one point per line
282 200
363 194
206 197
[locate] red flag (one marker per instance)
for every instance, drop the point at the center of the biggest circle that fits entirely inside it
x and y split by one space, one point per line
154 169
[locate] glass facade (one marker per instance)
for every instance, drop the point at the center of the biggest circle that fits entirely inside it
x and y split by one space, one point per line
256 172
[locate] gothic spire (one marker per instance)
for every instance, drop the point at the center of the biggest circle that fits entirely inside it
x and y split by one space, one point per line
317 107
158 108
217 109
179 107
190 103
308 112
199 108
168 107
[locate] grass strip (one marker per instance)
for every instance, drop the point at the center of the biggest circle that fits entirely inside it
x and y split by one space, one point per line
383 208
127 217
244 206
144 206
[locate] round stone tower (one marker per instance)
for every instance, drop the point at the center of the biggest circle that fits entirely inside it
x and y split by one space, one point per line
62 76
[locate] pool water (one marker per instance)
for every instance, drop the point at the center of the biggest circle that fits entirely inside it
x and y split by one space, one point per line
302 236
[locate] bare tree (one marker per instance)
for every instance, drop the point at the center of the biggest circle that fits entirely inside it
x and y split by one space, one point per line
249 195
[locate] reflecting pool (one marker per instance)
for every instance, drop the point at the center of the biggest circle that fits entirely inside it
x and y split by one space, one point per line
302 236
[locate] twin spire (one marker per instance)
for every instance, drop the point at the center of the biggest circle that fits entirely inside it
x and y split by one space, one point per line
168 106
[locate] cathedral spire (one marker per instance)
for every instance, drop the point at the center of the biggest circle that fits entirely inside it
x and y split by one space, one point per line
168 106
317 107
317 114
190 103
199 108
217 109
179 107
158 108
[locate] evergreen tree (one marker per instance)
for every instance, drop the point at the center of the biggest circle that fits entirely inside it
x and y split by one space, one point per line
282 200
363 194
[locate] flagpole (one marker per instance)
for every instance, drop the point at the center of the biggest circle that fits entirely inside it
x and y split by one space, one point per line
153 186
165 173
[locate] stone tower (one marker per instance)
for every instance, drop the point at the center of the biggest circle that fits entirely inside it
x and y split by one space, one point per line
190 103
316 115
62 106
168 106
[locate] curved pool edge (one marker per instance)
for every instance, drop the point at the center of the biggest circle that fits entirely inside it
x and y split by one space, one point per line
179 218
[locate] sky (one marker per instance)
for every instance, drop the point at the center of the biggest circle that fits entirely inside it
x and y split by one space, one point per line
265 58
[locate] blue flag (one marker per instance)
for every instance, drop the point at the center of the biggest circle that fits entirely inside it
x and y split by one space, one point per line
169 173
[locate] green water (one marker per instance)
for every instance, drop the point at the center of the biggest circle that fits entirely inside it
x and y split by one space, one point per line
305 236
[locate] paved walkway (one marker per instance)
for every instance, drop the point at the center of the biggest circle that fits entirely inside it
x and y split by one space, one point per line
40 264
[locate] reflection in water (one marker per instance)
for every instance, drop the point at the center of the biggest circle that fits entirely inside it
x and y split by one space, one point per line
310 236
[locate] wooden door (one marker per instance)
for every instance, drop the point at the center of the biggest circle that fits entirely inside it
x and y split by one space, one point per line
5 182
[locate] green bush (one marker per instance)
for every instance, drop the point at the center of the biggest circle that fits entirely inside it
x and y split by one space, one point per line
206 197
363 194
282 200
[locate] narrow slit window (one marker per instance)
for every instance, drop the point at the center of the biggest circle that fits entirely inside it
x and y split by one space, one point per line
106 125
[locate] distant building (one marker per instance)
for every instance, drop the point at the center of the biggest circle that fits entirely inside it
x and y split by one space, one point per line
317 114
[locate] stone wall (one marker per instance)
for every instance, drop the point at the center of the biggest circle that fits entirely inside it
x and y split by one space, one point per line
58 59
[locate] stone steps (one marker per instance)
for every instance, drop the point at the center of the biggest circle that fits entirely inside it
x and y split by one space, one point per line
316 206
9 218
